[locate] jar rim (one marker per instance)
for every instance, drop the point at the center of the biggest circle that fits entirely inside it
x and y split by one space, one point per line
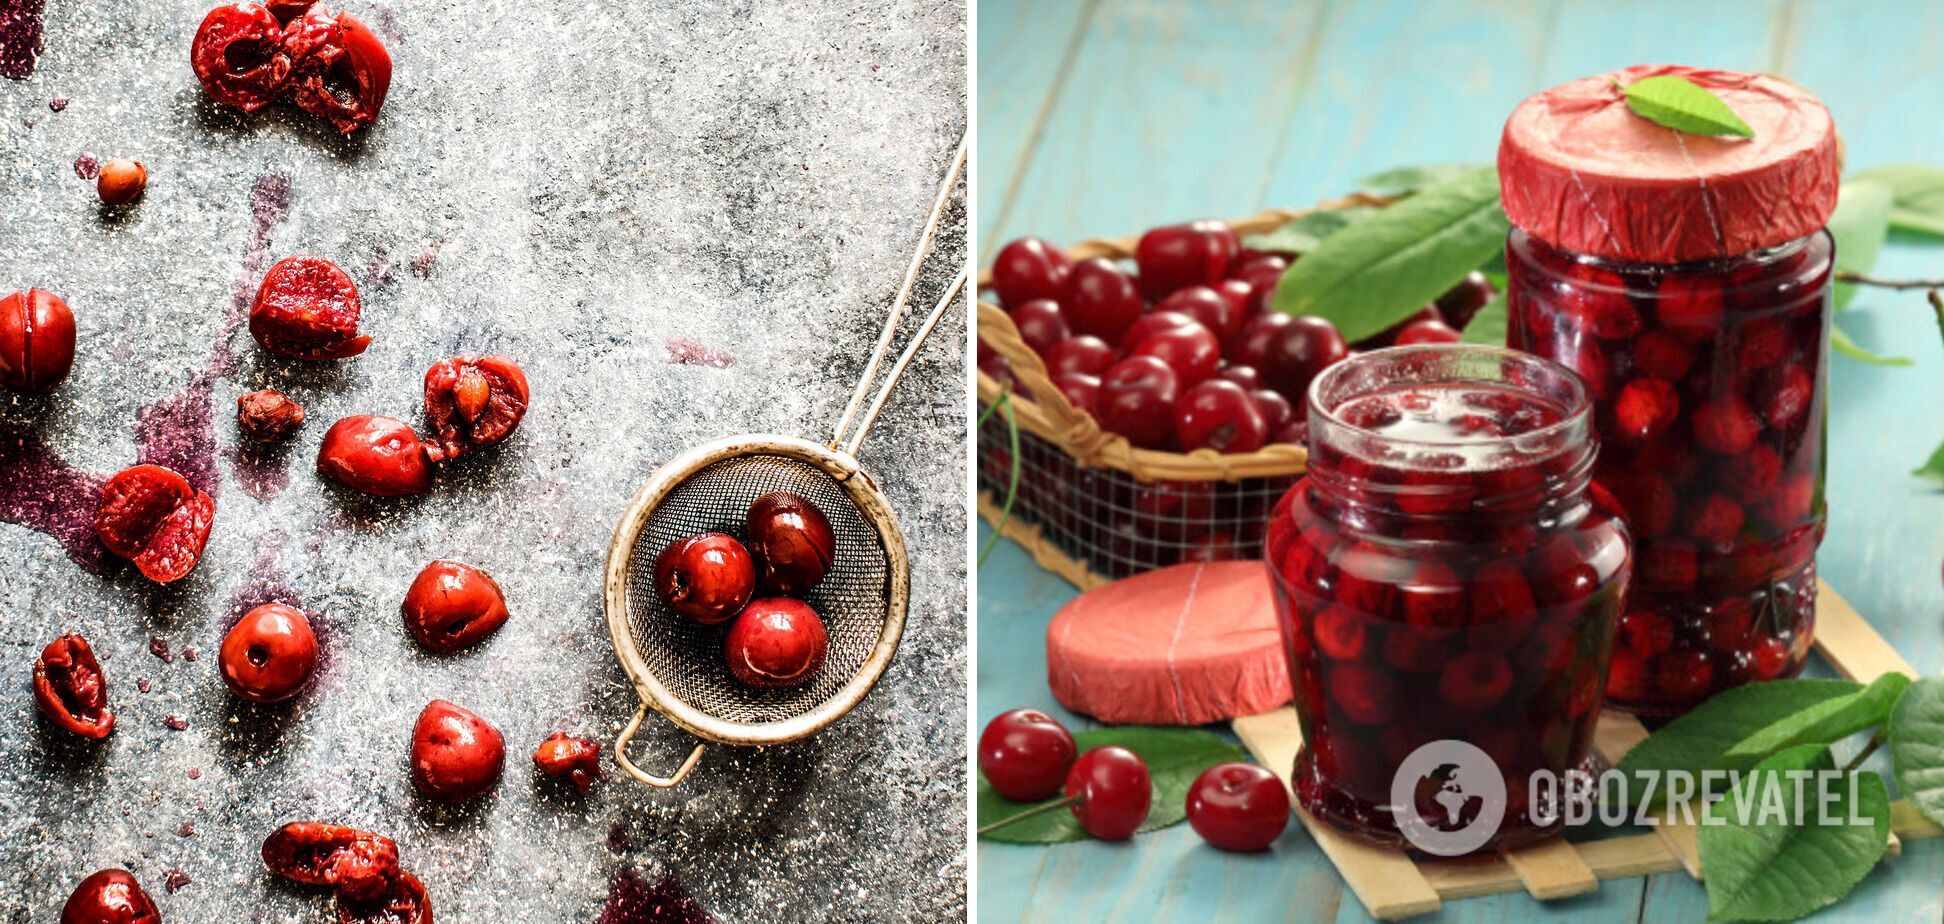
1450 359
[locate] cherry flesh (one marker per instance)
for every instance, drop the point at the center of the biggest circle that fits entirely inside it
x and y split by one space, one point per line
339 69
111 896
1178 256
70 689
267 416
1237 806
563 756
1025 754
269 655
456 755
1101 299
452 606
239 57
36 340
707 578
1041 324
776 643
153 517
379 456
1136 400
1111 791
404 901
1219 415
307 308
1028 269
472 404
790 541
355 862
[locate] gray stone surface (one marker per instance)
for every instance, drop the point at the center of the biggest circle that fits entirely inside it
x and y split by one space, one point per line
686 220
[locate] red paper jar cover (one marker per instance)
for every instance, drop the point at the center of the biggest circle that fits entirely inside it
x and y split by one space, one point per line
1185 645
1579 170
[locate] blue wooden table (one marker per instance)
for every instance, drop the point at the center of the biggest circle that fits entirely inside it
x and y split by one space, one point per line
1104 118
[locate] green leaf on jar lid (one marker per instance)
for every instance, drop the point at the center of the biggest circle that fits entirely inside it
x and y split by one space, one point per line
1684 106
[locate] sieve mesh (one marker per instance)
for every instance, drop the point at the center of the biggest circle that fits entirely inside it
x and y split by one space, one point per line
853 599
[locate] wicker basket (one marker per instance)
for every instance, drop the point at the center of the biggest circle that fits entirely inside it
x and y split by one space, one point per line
1093 508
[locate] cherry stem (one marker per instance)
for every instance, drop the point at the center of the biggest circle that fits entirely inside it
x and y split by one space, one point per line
1059 803
1862 279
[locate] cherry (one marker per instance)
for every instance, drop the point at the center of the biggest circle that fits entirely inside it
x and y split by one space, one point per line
472 404
269 654
1151 324
1463 300
1212 307
1178 256
1754 474
1763 344
1726 425
312 853
1715 519
1647 633
1085 354
70 689
1111 791
239 57
404 901
36 340
1101 299
456 755
1627 677
1434 600
451 606
1771 656
379 456
1662 355
577 759
1136 400
1245 376
1427 331
1029 269
1388 336
1685 675
1262 272
1238 806
1221 416
287 10
707 578
111 896
1597 302
1081 390
267 416
121 181
790 542
1275 409
994 364
339 70
1475 680
1190 349
1787 397
307 308
776 642
153 517
1298 352
1025 754
1688 307
1645 409
1252 345
1040 324
1502 605
1366 694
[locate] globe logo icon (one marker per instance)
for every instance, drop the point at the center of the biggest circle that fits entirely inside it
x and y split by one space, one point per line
1448 798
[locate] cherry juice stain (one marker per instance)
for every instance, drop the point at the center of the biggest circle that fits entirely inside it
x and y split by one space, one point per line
269 206
45 494
21 37
685 352
633 900
179 432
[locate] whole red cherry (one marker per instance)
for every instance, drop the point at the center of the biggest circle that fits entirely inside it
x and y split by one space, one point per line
1027 269
111 896
269 654
1190 349
472 403
153 517
339 70
379 456
36 340
1298 352
1178 256
1427 331
1085 354
707 578
1219 415
456 755
1101 299
1080 389
239 57
1111 791
1252 345
790 541
776 642
1238 806
71 690
403 901
1025 754
1041 324
1214 308
1136 400
452 605
307 308
357 863
576 759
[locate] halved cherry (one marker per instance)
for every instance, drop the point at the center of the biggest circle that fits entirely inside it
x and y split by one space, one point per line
451 605
70 688
339 69
404 902
153 517
379 456
239 56
473 403
357 863
307 308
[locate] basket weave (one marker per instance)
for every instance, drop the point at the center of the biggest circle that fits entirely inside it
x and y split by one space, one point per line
1092 502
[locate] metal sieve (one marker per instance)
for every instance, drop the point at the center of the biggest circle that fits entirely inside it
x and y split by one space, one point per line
677 666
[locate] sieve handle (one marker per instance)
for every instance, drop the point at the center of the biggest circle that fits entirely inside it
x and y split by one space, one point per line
621 756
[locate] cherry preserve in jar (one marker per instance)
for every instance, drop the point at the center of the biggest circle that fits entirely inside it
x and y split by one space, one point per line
1687 279
1445 571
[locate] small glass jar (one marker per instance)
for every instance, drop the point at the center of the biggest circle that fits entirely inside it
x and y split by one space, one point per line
1687 279
1445 571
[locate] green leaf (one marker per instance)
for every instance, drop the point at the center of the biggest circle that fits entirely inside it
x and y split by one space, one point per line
1303 233
1918 191
1841 343
1762 868
1917 746
1934 468
1859 225
1697 741
1174 757
1684 106
1488 325
1402 181
1378 270
1824 723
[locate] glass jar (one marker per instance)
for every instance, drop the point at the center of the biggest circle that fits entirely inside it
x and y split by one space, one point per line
1709 380
1445 572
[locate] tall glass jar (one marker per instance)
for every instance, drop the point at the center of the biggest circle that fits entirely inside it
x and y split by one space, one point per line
1445 572
1687 280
